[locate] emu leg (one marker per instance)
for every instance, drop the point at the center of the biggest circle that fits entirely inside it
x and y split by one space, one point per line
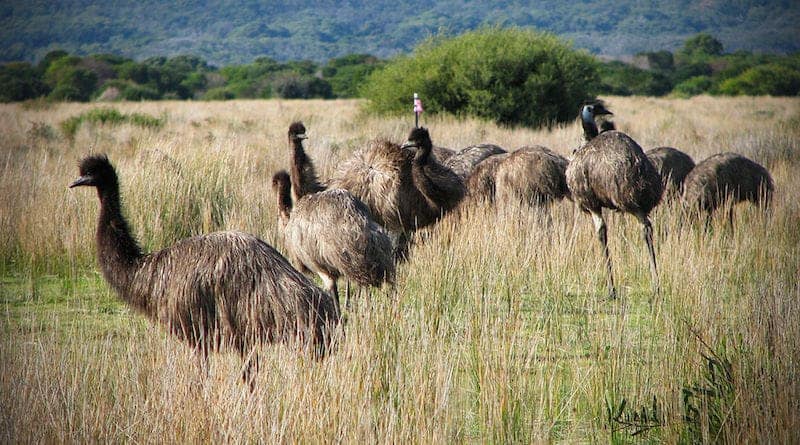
333 290
347 296
600 226
648 238
250 368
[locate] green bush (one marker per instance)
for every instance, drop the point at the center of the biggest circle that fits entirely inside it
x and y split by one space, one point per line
511 76
621 79
693 86
109 116
772 79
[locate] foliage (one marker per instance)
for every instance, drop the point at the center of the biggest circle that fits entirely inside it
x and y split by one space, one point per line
621 79
772 79
110 116
510 76
235 32
19 81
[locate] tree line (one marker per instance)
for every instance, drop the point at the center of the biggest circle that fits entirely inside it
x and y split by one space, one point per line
488 72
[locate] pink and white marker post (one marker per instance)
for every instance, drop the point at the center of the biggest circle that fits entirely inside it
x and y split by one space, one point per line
417 110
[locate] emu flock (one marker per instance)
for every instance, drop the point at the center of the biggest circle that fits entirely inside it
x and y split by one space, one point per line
231 290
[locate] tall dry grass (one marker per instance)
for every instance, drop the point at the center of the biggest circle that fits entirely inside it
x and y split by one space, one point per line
497 331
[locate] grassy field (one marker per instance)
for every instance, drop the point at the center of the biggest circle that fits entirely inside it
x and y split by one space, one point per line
498 329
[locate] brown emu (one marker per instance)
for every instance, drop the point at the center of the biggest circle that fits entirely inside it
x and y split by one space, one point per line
332 234
463 162
726 176
224 290
673 165
404 189
481 184
611 171
532 174
304 176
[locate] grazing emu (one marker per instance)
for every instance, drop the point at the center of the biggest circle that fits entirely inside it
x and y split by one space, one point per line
304 176
612 171
464 161
442 154
404 189
481 184
726 176
332 234
673 165
533 175
225 290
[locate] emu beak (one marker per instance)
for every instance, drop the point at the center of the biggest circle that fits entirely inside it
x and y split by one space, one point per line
302 136
602 111
83 180
409 144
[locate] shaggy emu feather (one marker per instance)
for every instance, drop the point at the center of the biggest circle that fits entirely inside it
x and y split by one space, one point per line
405 190
218 291
332 234
673 165
726 176
532 175
611 171
464 161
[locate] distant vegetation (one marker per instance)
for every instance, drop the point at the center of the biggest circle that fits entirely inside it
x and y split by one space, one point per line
228 32
499 74
510 76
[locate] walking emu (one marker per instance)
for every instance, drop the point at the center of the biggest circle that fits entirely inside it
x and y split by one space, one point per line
404 189
726 176
673 165
225 290
332 234
611 171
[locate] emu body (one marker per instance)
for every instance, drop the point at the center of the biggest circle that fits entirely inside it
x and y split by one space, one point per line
532 175
727 176
404 189
332 234
225 290
464 161
673 165
611 171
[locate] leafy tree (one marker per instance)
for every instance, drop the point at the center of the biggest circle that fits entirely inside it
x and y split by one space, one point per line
20 81
619 78
511 76
702 44
69 81
693 86
347 74
772 79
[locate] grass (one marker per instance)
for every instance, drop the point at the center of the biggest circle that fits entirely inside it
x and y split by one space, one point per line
497 331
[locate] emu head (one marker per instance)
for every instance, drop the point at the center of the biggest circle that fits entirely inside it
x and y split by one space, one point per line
590 110
418 138
96 171
297 131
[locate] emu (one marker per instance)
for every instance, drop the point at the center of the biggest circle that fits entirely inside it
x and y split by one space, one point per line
673 165
727 176
332 234
404 189
481 184
464 161
224 290
611 171
532 174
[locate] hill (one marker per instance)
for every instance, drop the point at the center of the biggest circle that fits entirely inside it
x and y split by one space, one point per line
227 32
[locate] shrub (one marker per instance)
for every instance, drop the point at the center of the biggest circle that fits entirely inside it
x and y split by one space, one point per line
511 76
693 86
110 116
772 79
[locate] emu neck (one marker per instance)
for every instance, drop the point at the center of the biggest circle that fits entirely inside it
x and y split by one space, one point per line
423 153
589 127
118 253
303 176
284 202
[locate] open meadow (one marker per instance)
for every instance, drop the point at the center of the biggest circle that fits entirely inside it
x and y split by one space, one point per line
498 329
